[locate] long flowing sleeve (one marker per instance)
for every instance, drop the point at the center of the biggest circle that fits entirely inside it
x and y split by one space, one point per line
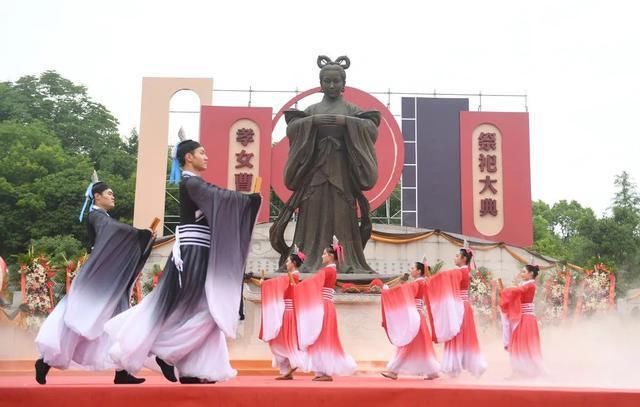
510 300
104 281
445 303
231 216
510 311
400 317
272 306
309 309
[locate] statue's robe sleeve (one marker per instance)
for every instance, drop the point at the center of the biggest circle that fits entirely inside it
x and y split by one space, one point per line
302 144
302 141
362 131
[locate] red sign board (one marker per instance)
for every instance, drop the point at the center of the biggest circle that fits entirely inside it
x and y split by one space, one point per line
495 177
238 144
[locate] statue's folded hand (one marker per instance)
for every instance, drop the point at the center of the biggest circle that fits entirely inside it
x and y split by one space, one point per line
325 120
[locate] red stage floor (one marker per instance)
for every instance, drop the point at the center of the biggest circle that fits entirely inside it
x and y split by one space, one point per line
96 390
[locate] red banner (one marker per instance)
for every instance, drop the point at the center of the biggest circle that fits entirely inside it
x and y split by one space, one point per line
238 144
495 177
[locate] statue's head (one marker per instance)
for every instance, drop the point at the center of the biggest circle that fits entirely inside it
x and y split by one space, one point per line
332 75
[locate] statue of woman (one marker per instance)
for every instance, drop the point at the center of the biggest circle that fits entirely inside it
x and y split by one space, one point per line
332 160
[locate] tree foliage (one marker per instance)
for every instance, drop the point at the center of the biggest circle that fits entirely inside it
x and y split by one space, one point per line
568 231
52 137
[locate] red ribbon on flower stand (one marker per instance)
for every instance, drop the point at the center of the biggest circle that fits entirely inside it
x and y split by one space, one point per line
494 293
612 291
69 270
565 295
138 290
23 285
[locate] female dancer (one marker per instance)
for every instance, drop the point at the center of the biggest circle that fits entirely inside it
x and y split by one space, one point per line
452 316
520 325
317 321
279 326
404 319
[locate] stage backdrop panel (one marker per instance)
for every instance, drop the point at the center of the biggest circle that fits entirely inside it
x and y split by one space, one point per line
495 177
238 144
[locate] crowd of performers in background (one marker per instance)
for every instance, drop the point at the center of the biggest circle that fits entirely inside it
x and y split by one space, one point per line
181 327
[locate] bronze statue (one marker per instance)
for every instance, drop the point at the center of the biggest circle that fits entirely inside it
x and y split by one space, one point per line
332 160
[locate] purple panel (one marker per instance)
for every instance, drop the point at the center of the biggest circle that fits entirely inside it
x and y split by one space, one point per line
408 108
409 176
409 129
409 219
438 172
409 153
409 199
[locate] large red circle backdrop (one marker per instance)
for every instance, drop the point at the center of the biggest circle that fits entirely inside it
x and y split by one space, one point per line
389 147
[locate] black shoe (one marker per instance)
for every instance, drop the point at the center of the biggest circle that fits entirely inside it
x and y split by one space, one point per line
194 380
167 370
124 377
189 380
41 371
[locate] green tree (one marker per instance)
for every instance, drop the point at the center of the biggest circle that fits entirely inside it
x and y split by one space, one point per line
82 125
132 143
621 240
569 231
59 248
52 136
627 195
546 241
568 217
40 185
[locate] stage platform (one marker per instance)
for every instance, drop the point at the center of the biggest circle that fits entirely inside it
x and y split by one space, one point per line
81 389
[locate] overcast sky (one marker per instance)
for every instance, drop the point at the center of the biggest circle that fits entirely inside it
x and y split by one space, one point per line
577 60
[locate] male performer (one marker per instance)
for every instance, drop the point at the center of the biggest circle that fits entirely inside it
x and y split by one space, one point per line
183 322
75 329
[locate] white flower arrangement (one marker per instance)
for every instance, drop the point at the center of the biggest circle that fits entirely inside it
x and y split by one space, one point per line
596 293
37 301
480 291
554 297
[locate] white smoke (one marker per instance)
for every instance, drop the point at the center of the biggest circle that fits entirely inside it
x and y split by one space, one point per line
602 351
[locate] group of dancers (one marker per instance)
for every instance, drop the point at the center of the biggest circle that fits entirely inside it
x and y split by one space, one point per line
299 322
181 327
